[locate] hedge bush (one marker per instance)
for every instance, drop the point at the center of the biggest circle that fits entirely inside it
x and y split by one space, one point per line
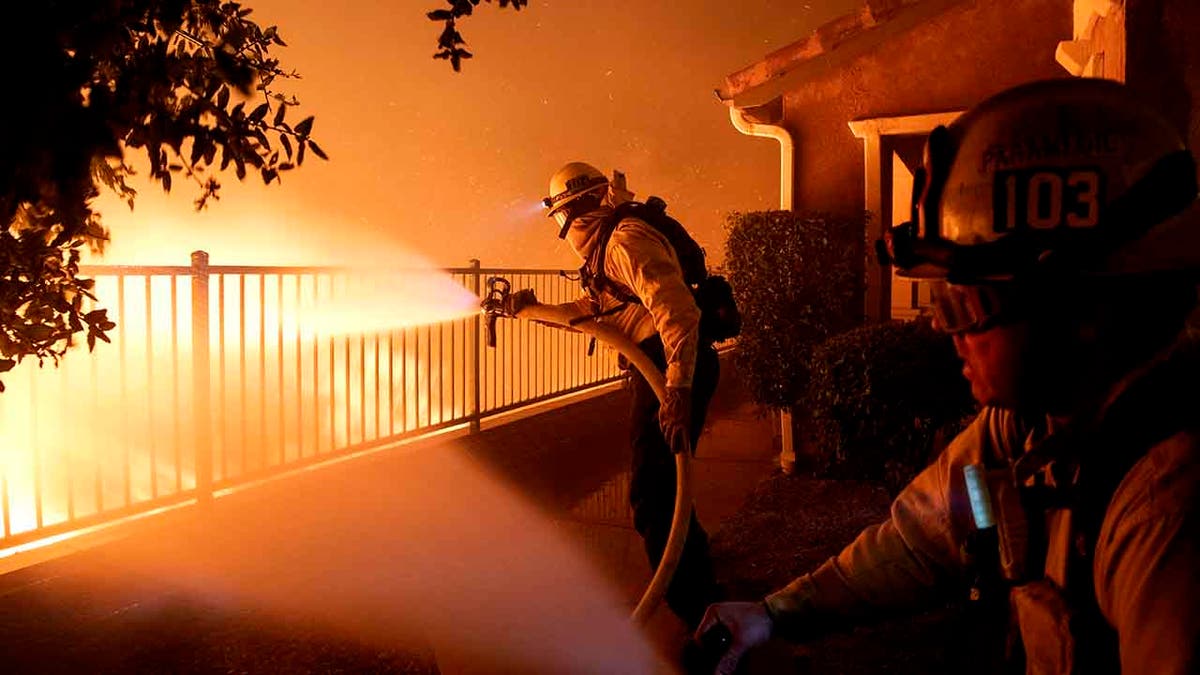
797 280
882 399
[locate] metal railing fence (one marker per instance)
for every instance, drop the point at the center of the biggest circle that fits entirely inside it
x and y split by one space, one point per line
215 379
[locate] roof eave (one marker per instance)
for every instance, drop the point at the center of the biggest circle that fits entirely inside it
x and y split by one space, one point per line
829 47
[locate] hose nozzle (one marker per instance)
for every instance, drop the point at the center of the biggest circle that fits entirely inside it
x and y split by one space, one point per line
493 304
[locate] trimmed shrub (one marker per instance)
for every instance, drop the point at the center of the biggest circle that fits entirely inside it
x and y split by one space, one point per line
883 399
797 280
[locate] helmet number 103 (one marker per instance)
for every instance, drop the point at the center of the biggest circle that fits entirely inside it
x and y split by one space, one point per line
1043 199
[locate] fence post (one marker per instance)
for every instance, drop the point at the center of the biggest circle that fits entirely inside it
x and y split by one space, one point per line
476 348
201 391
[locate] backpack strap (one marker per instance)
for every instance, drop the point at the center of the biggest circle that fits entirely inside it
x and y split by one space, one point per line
1151 413
592 274
595 281
1155 407
1158 406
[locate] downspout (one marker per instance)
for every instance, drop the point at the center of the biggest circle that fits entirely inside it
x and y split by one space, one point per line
787 183
787 150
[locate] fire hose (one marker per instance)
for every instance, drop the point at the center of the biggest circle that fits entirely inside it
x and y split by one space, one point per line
570 318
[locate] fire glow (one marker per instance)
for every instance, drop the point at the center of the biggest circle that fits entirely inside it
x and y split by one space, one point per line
299 364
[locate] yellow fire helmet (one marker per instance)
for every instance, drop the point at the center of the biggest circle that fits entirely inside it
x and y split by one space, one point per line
567 185
1072 176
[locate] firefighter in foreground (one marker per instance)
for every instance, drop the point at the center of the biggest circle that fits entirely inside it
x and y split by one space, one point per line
1057 222
634 281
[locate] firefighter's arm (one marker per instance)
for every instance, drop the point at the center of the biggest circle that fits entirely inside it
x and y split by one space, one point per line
642 259
906 562
1147 559
582 305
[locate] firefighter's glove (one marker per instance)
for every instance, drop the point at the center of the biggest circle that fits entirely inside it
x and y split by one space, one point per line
675 418
517 301
745 625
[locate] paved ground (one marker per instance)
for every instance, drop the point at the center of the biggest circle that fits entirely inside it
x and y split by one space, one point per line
389 563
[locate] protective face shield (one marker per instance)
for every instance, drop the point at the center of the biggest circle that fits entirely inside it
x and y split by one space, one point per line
1055 178
563 218
574 189
964 309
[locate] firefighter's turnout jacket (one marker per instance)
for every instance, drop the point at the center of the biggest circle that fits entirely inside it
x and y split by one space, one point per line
1138 571
641 259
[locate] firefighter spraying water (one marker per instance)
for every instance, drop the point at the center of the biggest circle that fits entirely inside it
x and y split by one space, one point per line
498 303
648 295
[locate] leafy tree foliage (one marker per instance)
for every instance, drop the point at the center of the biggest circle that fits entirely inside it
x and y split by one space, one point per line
883 399
450 40
797 282
90 83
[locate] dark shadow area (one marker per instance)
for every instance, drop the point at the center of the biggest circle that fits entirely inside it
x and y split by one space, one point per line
789 526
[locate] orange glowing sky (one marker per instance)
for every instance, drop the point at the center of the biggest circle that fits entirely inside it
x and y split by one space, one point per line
451 165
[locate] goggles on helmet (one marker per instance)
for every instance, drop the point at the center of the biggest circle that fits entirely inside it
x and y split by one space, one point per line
562 217
970 308
565 209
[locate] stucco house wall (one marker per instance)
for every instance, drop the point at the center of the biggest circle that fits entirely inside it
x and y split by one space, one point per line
949 62
964 51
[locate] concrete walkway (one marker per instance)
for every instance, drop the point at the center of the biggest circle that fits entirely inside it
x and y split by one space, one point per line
340 539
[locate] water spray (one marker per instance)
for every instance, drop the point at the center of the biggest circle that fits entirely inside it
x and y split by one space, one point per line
569 317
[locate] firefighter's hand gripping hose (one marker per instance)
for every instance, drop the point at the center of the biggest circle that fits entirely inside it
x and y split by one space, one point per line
499 302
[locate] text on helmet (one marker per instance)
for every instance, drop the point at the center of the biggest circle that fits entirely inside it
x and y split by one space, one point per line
1047 198
1068 145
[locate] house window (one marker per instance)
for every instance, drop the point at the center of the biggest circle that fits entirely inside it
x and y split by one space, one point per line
892 150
